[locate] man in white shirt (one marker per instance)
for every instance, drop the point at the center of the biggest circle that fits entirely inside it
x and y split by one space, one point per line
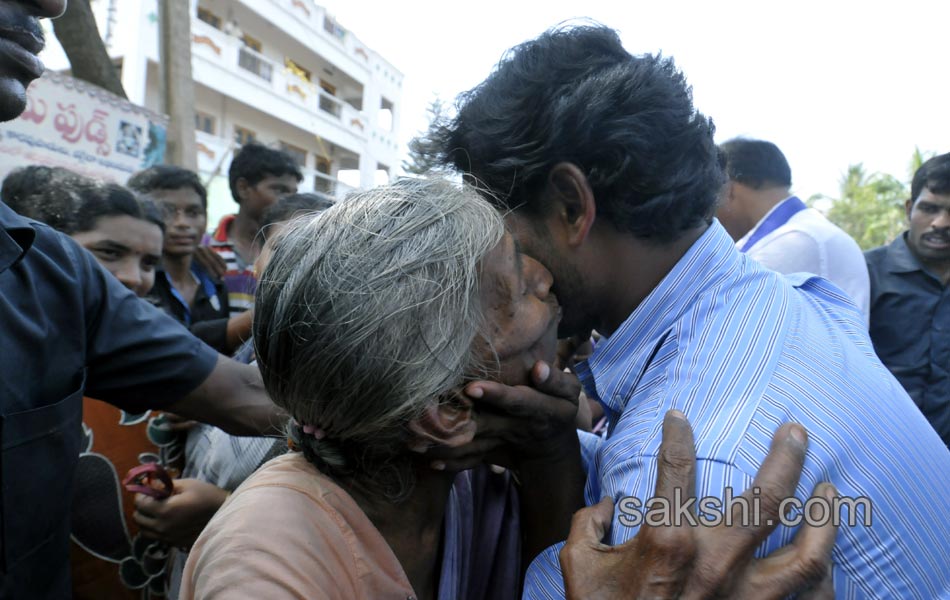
777 229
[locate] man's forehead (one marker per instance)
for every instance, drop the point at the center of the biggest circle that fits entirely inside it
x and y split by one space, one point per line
182 195
286 178
931 197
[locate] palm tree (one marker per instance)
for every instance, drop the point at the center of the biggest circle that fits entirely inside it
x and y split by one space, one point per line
871 206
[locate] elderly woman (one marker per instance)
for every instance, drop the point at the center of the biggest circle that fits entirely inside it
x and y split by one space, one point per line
371 319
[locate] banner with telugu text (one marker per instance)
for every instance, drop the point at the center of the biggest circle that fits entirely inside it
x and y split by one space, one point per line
73 124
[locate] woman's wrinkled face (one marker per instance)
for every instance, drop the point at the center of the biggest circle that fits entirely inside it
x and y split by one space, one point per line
129 248
521 312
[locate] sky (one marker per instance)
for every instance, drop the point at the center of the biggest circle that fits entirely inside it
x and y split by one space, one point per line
831 83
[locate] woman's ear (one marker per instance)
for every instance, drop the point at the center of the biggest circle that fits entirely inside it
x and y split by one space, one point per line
444 424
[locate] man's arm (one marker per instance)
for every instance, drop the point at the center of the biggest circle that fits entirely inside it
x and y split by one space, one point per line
232 397
139 358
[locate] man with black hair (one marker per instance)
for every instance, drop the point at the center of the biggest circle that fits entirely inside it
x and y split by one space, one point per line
182 287
910 299
259 176
609 176
777 229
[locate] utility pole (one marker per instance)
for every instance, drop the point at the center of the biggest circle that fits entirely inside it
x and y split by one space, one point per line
178 87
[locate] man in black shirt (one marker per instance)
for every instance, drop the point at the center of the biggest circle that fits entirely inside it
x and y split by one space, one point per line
68 328
910 300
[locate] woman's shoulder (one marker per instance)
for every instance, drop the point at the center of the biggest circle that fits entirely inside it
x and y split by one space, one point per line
294 523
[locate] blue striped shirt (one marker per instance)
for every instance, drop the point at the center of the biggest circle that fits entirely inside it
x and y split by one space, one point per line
741 350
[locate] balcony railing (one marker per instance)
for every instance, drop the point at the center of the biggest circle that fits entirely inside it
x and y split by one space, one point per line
328 185
255 63
231 55
330 104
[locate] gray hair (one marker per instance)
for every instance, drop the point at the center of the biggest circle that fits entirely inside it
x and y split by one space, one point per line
367 314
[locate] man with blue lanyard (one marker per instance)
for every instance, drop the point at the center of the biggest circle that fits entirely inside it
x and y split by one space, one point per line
183 288
775 228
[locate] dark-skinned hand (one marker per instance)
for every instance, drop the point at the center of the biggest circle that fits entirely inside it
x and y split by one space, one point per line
693 562
211 262
180 518
516 423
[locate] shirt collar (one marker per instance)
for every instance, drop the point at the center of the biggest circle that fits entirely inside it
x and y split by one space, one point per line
899 258
221 232
16 237
617 360
752 231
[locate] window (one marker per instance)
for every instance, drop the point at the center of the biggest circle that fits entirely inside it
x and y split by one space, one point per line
385 115
323 181
328 87
327 102
250 59
333 28
209 17
252 43
296 69
298 154
204 122
244 136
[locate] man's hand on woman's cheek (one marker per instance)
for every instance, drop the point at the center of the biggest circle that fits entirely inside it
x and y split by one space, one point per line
517 423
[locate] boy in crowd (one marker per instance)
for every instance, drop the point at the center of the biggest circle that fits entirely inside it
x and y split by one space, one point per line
182 287
259 176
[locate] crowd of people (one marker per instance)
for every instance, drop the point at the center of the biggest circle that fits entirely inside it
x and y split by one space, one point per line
367 398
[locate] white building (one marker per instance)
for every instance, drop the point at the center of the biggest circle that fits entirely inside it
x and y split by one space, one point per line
281 72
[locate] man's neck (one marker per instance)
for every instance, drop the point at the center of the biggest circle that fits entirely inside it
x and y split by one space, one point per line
646 263
412 528
242 232
761 203
177 266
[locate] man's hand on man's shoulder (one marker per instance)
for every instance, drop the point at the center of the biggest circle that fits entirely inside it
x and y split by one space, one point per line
688 561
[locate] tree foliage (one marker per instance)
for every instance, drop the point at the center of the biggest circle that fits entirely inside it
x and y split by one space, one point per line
422 153
870 206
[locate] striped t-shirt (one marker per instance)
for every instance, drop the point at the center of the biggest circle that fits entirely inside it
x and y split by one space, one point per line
740 350
239 278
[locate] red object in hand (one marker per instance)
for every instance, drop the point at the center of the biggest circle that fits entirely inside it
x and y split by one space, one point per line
150 479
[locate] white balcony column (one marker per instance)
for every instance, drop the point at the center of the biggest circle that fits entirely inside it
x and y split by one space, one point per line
367 171
371 101
135 61
396 110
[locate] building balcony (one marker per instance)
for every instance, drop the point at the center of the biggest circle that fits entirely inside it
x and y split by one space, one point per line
225 64
312 26
321 182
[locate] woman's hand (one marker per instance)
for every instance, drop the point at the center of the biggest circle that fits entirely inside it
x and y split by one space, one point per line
180 518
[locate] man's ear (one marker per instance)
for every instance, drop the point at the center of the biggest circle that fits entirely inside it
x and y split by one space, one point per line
444 424
908 206
570 195
242 187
